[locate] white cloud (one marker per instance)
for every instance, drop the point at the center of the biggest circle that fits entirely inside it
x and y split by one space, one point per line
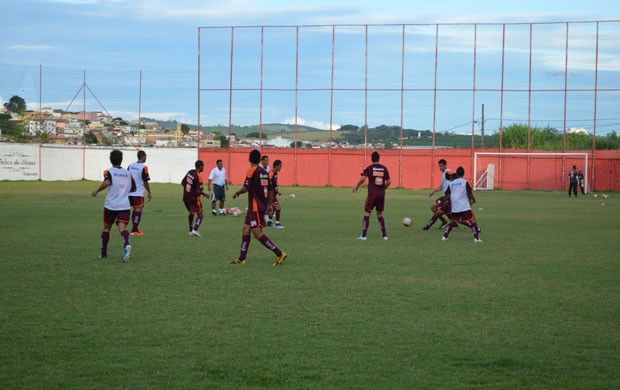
29 47
316 124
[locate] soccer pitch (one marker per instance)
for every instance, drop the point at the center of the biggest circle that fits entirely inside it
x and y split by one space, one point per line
534 306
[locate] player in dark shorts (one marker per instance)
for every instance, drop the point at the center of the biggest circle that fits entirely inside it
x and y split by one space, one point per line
277 207
260 202
192 191
441 206
378 181
119 185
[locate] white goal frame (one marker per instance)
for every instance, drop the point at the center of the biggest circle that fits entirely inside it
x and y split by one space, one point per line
486 179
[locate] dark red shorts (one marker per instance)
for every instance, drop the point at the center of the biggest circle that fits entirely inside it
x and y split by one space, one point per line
461 217
194 207
377 202
254 219
136 201
111 216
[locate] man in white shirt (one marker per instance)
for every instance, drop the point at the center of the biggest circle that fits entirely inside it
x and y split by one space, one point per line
119 183
461 198
217 177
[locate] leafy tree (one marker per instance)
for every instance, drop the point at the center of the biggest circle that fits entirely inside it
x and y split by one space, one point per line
299 144
90 138
15 105
349 128
610 142
184 128
224 143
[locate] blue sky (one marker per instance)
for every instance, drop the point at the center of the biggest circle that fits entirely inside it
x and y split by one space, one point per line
113 40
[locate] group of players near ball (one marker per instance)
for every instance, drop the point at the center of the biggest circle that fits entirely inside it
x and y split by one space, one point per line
126 189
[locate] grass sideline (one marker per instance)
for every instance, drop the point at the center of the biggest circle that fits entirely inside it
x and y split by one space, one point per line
534 306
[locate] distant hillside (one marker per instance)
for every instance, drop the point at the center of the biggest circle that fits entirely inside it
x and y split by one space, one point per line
268 128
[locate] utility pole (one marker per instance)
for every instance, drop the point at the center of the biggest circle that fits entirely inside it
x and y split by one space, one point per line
482 128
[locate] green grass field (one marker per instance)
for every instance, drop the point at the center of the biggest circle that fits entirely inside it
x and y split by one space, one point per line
534 306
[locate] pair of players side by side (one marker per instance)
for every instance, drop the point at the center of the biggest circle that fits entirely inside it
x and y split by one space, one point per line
455 202
262 189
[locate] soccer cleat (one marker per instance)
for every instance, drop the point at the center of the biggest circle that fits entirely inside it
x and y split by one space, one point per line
477 240
278 226
362 238
444 238
194 233
385 238
126 253
137 233
269 223
280 259
426 227
237 261
103 257
214 213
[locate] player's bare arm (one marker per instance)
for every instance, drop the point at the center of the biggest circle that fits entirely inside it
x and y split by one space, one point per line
387 183
359 183
102 187
147 186
241 191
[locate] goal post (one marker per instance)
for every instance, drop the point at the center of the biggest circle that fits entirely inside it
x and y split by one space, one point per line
527 171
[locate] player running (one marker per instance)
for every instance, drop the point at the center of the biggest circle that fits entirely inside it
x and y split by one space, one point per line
378 181
116 208
260 202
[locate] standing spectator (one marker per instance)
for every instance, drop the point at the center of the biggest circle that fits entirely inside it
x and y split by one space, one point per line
572 181
461 198
116 208
440 206
273 176
220 185
378 181
260 198
192 191
140 174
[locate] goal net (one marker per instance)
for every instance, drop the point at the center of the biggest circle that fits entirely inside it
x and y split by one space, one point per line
527 171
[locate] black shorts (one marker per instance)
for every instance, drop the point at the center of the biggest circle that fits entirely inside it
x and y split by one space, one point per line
219 193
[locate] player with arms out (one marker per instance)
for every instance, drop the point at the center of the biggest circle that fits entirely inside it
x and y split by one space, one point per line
260 200
140 174
378 181
441 205
273 176
461 198
116 208
192 191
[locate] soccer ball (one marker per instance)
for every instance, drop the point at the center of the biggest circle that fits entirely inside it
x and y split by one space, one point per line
226 211
235 211
407 221
292 196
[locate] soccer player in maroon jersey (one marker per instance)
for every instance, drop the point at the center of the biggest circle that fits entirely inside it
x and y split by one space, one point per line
378 181
273 176
260 202
192 191
116 208
441 205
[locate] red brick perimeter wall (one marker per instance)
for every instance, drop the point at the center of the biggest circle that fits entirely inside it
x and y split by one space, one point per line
411 168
